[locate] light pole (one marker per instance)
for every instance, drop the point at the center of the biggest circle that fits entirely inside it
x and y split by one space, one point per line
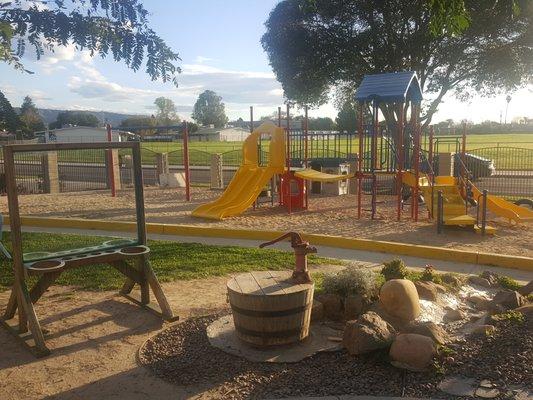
508 99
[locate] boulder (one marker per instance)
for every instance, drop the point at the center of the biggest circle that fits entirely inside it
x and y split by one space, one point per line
429 290
481 303
479 281
400 299
453 315
353 306
527 310
412 351
317 311
527 289
429 329
332 306
370 332
491 277
508 300
451 279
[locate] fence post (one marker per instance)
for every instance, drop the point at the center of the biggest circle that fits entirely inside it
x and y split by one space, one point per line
440 211
484 213
217 179
161 162
50 172
112 166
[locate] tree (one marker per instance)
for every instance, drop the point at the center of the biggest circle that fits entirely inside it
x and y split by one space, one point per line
138 122
209 109
75 118
314 46
117 27
9 120
321 124
347 117
30 118
166 111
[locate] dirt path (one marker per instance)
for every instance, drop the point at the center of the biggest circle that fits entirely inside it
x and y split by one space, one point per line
334 215
94 338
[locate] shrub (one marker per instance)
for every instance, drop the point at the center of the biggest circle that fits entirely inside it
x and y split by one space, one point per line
508 283
511 316
351 281
394 269
431 275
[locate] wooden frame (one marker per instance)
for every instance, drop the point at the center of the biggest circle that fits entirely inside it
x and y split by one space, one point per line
131 260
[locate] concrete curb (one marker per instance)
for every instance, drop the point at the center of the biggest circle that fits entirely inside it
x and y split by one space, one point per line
437 253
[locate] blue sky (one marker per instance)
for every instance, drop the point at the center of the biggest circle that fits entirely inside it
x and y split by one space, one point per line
219 43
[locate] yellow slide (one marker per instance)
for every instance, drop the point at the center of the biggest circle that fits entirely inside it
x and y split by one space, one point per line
504 208
251 178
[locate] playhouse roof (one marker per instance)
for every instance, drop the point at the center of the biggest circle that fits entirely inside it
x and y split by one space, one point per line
390 87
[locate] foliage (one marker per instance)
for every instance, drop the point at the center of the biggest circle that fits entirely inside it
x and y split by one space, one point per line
321 124
347 117
166 111
314 46
209 109
508 283
431 275
30 118
170 260
74 118
511 316
138 122
351 281
394 269
117 27
9 120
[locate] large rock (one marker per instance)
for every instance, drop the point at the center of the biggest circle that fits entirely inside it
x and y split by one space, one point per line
429 290
527 310
353 306
332 306
429 329
527 289
400 299
479 281
453 315
506 300
370 332
492 277
412 351
481 303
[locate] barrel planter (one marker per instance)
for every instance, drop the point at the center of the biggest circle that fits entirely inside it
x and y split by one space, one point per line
269 309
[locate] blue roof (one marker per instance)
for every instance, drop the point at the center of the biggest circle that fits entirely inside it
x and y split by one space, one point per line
390 87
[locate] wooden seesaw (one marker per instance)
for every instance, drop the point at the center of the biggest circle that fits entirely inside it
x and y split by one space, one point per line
129 257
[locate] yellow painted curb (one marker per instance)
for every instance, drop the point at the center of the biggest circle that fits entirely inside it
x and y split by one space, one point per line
405 249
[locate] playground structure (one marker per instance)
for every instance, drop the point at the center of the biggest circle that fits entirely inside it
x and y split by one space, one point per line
398 153
128 256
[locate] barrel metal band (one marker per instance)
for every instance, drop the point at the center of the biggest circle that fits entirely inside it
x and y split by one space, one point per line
270 314
267 335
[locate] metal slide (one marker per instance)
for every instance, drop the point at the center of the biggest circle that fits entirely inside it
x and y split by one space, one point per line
251 178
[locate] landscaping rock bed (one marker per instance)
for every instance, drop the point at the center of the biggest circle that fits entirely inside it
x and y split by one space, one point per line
182 354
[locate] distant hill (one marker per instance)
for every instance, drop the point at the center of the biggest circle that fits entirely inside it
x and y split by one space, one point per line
112 118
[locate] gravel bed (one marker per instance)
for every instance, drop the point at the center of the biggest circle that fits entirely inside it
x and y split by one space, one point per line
182 355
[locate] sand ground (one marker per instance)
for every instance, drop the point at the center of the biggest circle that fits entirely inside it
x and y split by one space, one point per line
334 215
94 338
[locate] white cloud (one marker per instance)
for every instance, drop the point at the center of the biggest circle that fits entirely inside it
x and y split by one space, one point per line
202 59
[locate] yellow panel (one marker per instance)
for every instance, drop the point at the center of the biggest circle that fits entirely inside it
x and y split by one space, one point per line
460 220
317 176
504 208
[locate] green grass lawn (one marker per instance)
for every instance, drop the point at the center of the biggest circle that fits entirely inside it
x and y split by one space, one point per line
170 260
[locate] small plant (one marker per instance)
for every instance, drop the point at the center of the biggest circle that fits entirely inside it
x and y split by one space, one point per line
431 275
508 283
352 281
511 316
394 269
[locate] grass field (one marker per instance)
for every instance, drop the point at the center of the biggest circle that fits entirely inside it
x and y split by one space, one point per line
170 260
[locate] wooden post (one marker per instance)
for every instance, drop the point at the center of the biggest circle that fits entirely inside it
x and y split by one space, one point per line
416 155
289 205
110 166
50 171
186 162
306 156
360 159
162 167
217 179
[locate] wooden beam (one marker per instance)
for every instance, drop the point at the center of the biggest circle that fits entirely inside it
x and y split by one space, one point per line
127 270
43 284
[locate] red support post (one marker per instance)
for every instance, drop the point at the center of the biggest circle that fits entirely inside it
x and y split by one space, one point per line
306 155
110 167
279 186
258 147
400 155
360 159
432 171
186 162
417 133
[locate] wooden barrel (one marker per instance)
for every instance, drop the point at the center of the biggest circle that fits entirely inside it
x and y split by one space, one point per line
269 309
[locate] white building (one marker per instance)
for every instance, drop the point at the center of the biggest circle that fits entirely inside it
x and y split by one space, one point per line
209 134
83 134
